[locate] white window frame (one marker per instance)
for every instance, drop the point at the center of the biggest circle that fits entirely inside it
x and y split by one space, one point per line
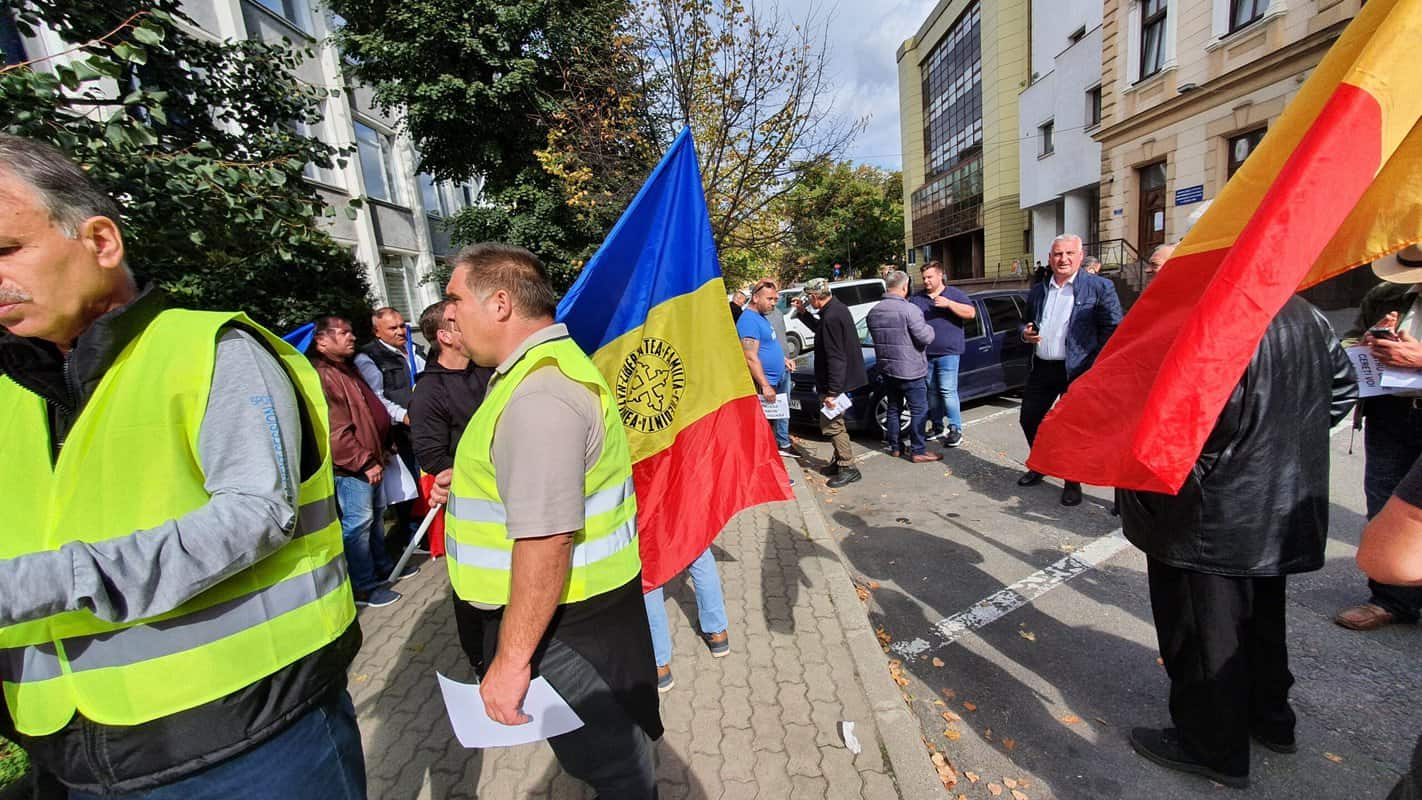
391 169
1168 59
1219 19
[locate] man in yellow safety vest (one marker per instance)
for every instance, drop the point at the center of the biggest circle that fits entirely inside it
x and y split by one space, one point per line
541 526
175 617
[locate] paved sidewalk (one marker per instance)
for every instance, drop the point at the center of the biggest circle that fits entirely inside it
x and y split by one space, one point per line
761 722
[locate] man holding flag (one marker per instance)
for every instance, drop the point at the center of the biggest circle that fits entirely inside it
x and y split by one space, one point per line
541 530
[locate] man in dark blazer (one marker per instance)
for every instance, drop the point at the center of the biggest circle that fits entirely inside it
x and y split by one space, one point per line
839 369
1073 314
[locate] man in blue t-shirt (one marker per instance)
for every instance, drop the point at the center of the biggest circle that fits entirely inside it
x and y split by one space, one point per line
765 358
945 308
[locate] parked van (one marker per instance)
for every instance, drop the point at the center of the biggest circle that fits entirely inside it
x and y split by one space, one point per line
859 295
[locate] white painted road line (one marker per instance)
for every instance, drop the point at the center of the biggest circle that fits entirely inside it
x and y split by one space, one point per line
968 423
1011 598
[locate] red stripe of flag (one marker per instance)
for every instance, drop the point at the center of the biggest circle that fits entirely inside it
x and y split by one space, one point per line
1140 416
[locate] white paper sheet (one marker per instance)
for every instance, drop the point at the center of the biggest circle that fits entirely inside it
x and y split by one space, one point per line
841 405
1375 378
552 716
779 408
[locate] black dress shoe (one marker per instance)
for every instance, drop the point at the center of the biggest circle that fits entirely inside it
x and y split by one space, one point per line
1165 749
1284 747
1030 478
829 470
846 475
1071 494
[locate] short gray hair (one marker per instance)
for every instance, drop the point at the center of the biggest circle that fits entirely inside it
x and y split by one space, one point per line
1067 237
67 193
896 279
1089 260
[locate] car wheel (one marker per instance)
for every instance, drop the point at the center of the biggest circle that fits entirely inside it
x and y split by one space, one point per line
881 416
792 341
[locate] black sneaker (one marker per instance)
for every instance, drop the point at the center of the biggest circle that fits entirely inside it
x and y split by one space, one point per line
1165 748
952 437
846 476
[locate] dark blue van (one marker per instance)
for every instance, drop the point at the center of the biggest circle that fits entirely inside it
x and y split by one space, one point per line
994 361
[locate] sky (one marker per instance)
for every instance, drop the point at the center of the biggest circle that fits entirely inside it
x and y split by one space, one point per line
863 37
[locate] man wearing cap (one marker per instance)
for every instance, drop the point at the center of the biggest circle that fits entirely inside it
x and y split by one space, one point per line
839 369
1392 439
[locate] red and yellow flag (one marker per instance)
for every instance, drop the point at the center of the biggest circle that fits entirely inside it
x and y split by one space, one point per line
1336 182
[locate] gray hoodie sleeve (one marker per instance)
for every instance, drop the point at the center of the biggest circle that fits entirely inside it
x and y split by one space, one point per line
249 445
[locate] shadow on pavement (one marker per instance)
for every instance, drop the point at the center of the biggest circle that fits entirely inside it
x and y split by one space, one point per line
674 779
413 739
782 577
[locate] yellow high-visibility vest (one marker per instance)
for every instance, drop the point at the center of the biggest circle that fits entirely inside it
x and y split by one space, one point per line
129 464
477 548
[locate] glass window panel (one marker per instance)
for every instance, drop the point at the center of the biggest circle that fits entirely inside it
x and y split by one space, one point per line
1003 314
372 164
429 194
10 40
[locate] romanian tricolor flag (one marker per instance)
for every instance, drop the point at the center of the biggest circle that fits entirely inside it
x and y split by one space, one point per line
650 308
1336 182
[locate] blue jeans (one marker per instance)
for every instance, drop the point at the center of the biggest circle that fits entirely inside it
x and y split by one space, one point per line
915 391
361 533
318 757
710 606
781 426
943 391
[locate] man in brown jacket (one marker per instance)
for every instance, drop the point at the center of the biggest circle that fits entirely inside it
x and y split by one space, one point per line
360 440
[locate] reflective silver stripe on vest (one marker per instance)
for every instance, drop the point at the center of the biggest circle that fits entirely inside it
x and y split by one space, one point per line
600 502
584 554
22 664
180 634
316 516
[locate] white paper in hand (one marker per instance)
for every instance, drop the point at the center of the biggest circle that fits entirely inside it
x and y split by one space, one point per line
779 408
551 715
841 405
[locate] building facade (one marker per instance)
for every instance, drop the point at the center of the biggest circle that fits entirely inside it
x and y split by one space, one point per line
397 230
1190 87
1057 114
959 77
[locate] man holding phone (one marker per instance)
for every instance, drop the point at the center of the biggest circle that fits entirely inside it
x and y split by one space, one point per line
1390 324
1073 314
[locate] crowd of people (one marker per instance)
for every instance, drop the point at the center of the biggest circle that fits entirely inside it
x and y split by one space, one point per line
192 467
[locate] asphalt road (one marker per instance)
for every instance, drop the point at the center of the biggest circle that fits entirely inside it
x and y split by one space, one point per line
1029 623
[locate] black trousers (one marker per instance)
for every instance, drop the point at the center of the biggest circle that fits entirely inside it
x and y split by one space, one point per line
1222 641
1046 382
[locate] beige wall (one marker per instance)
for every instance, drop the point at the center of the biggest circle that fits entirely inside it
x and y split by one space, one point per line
1241 81
1006 70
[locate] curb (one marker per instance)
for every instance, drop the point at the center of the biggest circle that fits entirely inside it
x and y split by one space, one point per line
899 729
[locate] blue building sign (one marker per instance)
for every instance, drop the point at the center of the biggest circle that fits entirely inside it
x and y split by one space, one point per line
1190 194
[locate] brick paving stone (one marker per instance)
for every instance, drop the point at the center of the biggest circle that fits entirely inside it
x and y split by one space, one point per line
762 722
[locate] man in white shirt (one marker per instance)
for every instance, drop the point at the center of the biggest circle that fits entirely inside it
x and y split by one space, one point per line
384 365
1073 314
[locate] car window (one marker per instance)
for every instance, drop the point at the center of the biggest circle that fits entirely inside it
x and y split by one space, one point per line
1003 313
973 328
862 328
782 303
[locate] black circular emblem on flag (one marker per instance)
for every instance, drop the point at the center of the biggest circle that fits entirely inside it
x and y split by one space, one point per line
649 386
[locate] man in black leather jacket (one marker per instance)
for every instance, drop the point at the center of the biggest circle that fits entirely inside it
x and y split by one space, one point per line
1253 510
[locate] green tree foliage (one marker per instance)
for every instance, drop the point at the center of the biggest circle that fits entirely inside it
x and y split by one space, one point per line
845 214
197 140
540 97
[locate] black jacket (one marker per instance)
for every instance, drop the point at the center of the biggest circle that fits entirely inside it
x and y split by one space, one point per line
1256 501
99 758
394 370
839 361
443 401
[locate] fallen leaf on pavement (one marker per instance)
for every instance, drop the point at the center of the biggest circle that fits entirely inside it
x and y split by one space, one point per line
873 585
970 706
1102 721
949 693
1335 759
1016 795
862 592
971 776
994 789
951 735
1160 661
952 716
360 678
987 734
938 759
1009 783
938 702
937 662
1010 744
1028 635
1071 719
